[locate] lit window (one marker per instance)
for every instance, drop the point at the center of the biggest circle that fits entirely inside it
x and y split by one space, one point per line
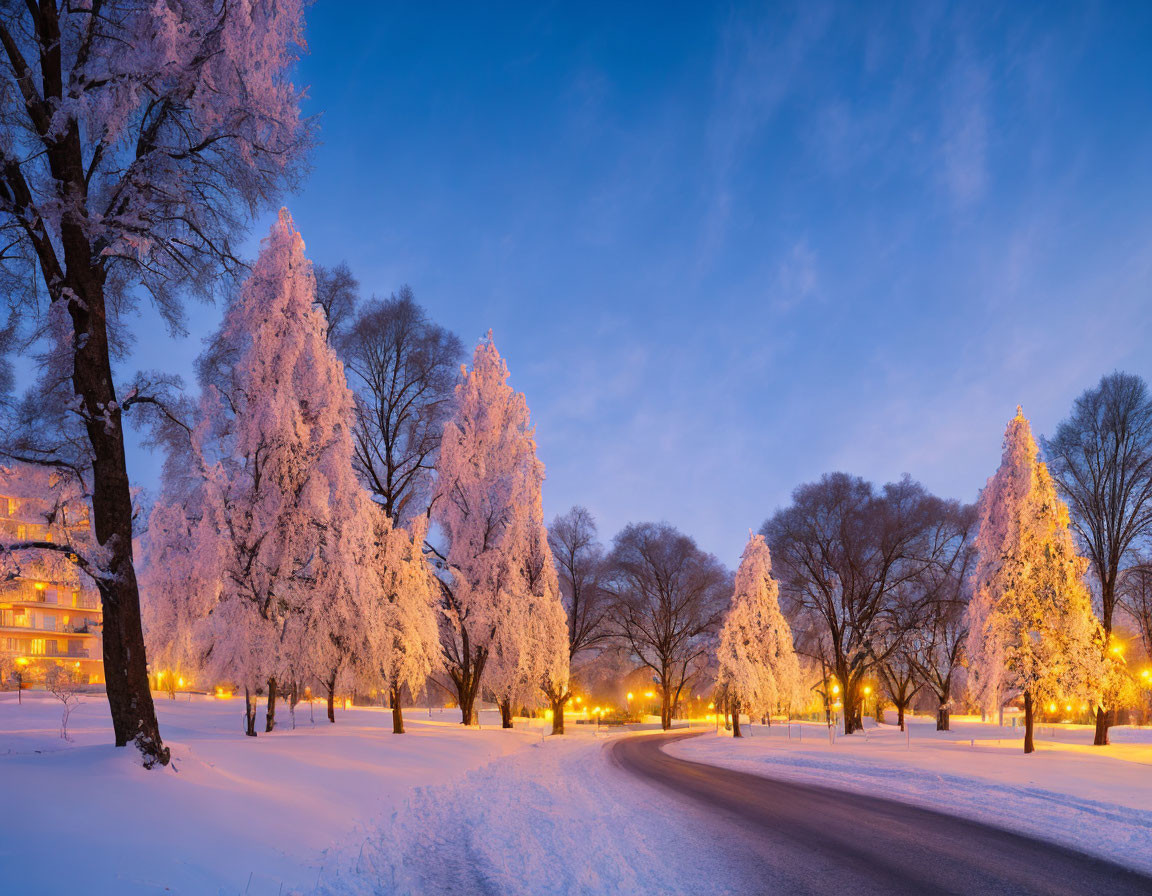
12 506
21 532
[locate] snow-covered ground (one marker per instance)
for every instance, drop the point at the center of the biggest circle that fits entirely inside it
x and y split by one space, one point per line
231 814
352 809
1098 800
557 818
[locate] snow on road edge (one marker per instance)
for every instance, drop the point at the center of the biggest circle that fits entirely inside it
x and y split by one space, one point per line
1121 834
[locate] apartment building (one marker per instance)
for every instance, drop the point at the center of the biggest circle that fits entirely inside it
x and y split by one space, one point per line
48 613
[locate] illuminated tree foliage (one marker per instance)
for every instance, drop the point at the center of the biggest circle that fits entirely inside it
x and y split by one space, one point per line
1032 630
503 620
759 671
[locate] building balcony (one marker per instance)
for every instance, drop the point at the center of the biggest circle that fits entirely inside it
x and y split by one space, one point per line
25 594
82 655
68 631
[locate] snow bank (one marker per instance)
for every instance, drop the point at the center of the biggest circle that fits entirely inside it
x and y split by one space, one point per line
1098 800
232 814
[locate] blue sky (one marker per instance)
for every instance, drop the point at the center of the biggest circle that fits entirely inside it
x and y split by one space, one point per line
726 249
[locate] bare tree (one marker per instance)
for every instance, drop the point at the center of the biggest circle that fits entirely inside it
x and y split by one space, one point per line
899 680
579 560
842 551
1101 459
1134 592
403 370
337 293
936 645
131 150
65 687
668 599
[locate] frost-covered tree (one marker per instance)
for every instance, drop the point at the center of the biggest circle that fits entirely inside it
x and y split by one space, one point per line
281 526
1031 627
171 597
759 671
134 138
486 503
529 657
401 641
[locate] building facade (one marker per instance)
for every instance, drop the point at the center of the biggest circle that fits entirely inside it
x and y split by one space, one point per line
49 614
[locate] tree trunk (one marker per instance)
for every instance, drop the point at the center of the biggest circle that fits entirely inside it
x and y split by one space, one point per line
331 684
558 714
851 711
735 708
1029 746
397 712
943 721
1103 723
125 663
665 711
505 713
466 679
270 715
900 715
249 713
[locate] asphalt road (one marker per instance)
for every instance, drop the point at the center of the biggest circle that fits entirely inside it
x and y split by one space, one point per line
800 839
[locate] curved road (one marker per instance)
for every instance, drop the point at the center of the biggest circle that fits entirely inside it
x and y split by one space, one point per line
798 838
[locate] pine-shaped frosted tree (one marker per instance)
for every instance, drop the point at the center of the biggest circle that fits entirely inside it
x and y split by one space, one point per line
1032 630
285 525
487 504
758 667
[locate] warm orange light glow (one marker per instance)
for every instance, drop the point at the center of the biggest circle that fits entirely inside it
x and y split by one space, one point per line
40 586
649 694
835 689
867 689
22 661
1146 673
180 683
160 675
579 699
1051 707
711 705
221 693
548 714
629 696
1068 708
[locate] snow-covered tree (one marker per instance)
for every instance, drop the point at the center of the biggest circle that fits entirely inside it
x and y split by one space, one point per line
759 671
282 527
529 657
487 504
172 600
1031 627
134 138
401 641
